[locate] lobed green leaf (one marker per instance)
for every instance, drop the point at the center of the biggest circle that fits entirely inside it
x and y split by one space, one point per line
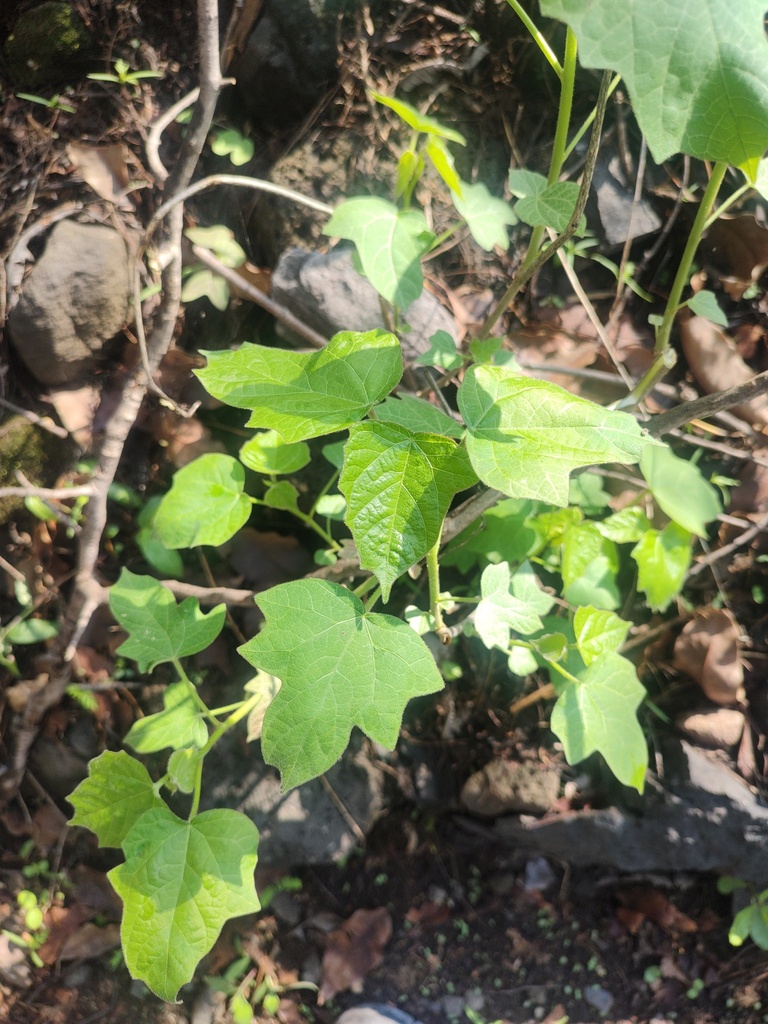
680 490
205 505
111 800
180 724
510 602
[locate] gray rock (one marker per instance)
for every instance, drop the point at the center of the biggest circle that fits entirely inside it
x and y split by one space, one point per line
620 216
304 825
703 818
49 43
75 299
326 292
502 786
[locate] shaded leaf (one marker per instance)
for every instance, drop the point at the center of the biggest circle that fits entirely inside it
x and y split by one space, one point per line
551 208
111 800
487 217
442 352
179 724
590 563
419 122
267 453
509 603
417 415
662 560
680 490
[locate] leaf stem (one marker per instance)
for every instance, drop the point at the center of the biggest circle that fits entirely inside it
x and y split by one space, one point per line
184 678
665 355
538 37
433 571
589 119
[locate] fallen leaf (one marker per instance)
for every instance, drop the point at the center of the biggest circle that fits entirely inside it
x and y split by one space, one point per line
708 651
719 729
62 923
105 169
49 824
654 905
90 942
716 364
184 439
632 920
428 915
738 247
261 279
353 951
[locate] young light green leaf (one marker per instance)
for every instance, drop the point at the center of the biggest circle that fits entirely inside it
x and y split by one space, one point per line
441 158
419 122
282 495
340 666
181 881
221 241
442 352
205 505
704 303
179 724
552 647
590 563
697 76
662 560
418 415
598 632
587 490
267 453
398 487
409 169
487 217
505 535
231 143
161 558
304 395
524 183
680 490
204 282
599 714
551 208
524 436
333 506
626 526
184 768
159 629
483 350
390 244
752 922
509 603
111 800
32 631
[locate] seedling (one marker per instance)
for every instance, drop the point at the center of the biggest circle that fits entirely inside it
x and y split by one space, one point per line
122 75
54 103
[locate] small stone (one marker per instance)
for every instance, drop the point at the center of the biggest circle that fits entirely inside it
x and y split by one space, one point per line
598 997
538 875
504 787
73 302
719 728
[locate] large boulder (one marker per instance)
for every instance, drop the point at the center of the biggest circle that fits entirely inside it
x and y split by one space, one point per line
75 299
49 43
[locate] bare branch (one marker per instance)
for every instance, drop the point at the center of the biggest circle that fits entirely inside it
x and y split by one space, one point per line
702 408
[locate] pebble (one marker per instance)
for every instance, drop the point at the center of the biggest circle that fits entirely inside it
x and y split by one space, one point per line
372 1013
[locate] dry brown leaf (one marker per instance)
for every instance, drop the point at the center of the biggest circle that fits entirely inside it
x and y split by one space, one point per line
708 651
261 279
653 904
429 915
105 169
184 440
738 246
76 408
353 951
90 942
717 365
719 729
62 923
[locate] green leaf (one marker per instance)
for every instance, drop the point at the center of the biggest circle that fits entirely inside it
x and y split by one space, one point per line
551 208
334 453
505 535
332 506
204 283
416 414
205 504
524 183
752 922
231 143
680 490
303 395
159 629
266 452
487 217
161 558
282 495
590 563
705 304
419 122
442 352
598 632
31 631
409 169
483 350
389 242
696 71
398 487
524 436
552 647
587 490
510 602
179 724
599 714
184 768
662 562
340 666
626 526
181 881
442 160
111 800
221 241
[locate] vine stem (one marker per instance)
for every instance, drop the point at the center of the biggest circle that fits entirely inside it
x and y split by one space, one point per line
537 36
665 356
433 572
238 715
532 264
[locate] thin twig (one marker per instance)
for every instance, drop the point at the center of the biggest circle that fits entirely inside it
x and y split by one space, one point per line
152 147
702 408
211 595
242 284
728 549
44 422
51 493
